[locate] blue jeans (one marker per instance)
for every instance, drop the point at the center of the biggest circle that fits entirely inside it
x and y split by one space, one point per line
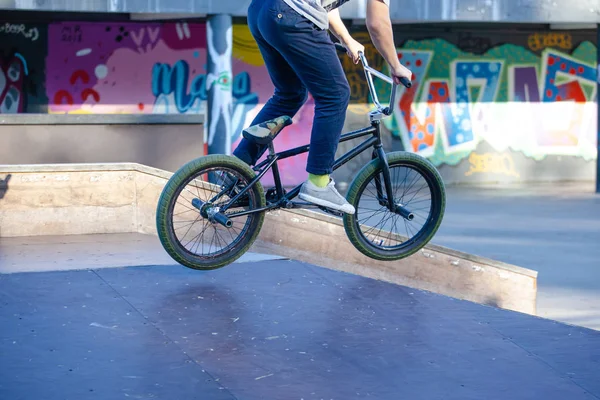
300 57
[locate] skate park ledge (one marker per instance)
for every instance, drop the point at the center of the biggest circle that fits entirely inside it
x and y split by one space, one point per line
76 199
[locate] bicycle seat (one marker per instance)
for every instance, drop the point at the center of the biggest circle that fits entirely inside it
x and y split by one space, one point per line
265 132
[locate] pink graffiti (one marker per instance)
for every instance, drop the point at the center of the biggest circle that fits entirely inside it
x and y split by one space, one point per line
184 36
145 38
76 65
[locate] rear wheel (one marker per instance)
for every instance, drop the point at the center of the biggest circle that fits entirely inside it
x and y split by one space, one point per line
419 203
190 206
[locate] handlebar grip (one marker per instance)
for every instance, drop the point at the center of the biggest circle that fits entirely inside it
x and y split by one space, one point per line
406 82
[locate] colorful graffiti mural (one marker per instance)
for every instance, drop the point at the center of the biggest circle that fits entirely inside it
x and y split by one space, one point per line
126 68
135 69
508 98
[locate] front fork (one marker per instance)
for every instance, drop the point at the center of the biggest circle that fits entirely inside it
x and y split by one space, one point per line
379 153
387 200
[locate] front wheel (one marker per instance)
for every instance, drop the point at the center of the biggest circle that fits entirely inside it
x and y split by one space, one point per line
419 201
189 210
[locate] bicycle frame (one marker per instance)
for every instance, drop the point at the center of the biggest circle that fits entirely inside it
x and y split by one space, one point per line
285 199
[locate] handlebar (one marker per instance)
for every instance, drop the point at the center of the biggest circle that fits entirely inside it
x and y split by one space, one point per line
370 71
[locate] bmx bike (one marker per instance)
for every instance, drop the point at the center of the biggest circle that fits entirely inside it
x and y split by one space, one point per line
218 204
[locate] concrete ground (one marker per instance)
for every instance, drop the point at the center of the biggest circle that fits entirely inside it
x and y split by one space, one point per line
553 229
268 329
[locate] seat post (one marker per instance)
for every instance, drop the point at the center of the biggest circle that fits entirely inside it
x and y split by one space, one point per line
271 149
275 170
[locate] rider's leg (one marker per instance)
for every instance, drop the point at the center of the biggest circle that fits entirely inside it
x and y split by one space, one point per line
290 93
311 53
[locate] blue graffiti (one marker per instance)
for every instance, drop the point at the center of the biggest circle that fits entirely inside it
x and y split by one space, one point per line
486 75
556 65
173 80
20 57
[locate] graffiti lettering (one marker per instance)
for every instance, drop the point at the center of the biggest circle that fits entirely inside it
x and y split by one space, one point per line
459 119
20 29
11 86
561 64
539 41
169 85
492 163
525 84
71 34
457 116
446 118
418 124
421 123
167 80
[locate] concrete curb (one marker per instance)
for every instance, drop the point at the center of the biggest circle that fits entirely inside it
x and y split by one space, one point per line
64 199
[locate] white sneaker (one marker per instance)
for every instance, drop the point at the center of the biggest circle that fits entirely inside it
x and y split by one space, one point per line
326 197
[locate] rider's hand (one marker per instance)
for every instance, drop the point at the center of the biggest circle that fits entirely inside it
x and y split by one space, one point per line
401 72
353 48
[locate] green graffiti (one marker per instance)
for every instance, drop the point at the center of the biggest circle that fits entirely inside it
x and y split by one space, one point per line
509 97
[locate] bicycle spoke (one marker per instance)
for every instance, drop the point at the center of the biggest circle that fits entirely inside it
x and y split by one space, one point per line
383 227
200 236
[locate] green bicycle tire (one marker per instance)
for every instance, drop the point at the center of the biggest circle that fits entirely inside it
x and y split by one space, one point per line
358 185
169 194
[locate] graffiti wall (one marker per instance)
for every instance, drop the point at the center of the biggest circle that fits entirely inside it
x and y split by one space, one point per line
507 113
485 105
23 49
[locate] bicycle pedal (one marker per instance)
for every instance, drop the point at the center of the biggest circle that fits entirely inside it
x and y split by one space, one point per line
301 204
332 212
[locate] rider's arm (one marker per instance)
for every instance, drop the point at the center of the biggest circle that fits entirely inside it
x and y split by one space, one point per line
379 25
337 27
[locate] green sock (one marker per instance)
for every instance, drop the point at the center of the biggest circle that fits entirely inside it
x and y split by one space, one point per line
319 180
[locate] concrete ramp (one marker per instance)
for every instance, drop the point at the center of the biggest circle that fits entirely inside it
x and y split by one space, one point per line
80 199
